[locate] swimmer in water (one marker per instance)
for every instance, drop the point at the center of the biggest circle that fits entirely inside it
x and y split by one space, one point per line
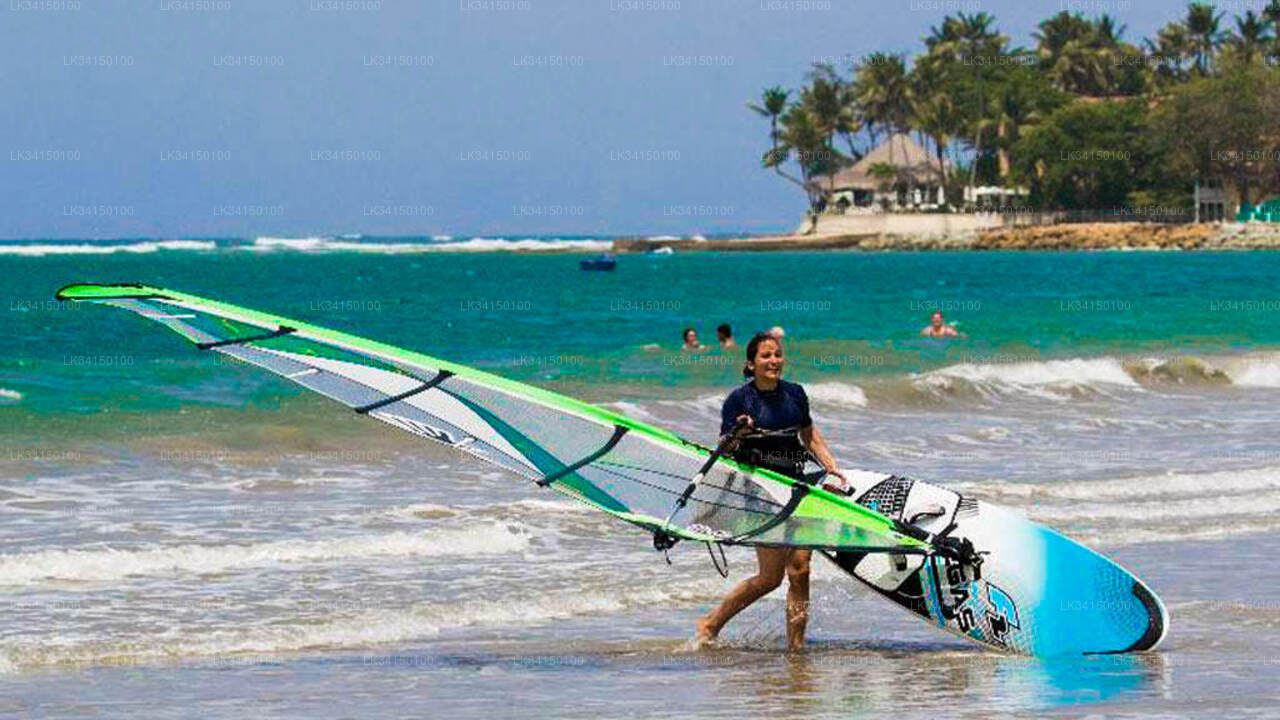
691 343
938 328
725 335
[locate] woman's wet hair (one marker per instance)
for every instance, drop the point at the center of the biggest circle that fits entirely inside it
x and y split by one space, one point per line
752 346
684 334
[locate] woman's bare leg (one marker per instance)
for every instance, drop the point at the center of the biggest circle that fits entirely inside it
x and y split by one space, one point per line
773 563
797 597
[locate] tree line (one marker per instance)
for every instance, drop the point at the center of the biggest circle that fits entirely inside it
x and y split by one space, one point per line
1084 120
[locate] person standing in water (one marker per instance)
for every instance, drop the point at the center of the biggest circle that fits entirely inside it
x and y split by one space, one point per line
691 343
725 335
938 328
781 436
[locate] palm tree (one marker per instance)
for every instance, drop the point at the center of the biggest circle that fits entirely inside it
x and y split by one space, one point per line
773 101
1171 49
970 39
1062 46
935 115
1251 38
801 132
824 99
1022 102
933 107
1081 69
1081 56
829 97
883 93
782 136
1056 33
796 130
1206 37
1110 49
1106 33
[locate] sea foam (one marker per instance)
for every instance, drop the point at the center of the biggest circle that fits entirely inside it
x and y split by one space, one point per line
105 564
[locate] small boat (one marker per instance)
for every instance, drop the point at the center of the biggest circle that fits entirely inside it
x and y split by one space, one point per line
599 262
664 250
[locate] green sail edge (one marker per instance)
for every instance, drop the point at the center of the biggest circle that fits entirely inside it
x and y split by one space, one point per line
819 504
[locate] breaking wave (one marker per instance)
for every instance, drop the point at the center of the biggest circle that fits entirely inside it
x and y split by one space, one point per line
89 248
440 244
310 244
354 631
1052 380
1164 507
105 564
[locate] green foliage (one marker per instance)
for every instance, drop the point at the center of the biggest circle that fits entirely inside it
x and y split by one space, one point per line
881 91
1088 57
1225 126
1084 155
1084 119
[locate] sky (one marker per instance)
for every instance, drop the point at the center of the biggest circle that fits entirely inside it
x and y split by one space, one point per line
239 118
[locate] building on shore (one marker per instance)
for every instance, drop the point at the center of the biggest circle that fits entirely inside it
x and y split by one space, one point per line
1209 200
990 198
896 175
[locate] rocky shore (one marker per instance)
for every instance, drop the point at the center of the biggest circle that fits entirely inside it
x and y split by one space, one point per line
1067 236
1132 236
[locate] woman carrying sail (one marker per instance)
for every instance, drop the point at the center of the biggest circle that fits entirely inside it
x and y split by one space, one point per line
780 437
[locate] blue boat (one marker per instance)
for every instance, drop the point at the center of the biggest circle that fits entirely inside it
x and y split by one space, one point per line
599 262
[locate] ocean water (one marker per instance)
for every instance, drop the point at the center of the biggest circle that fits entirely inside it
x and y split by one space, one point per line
184 536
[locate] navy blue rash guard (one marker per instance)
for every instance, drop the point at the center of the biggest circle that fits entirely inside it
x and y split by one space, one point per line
779 416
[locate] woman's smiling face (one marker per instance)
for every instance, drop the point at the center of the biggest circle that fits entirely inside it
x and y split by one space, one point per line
768 360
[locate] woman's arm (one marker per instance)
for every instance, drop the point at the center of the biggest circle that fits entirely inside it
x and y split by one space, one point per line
817 445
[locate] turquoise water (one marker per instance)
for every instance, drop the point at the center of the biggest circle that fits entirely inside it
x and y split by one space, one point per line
186 533
540 318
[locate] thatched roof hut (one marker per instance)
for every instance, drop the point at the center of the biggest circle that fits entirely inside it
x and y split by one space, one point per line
913 163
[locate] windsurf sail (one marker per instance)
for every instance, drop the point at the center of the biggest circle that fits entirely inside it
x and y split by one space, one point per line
628 469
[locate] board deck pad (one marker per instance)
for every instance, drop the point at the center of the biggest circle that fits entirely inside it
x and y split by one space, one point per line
1036 592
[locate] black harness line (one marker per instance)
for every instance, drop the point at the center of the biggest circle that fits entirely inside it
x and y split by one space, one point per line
618 432
282 330
439 378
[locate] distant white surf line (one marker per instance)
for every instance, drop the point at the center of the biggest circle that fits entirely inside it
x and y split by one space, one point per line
148 246
478 244
9 397
365 630
90 565
344 244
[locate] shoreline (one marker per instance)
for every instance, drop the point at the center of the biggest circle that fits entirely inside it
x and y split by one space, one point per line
1119 236
903 233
